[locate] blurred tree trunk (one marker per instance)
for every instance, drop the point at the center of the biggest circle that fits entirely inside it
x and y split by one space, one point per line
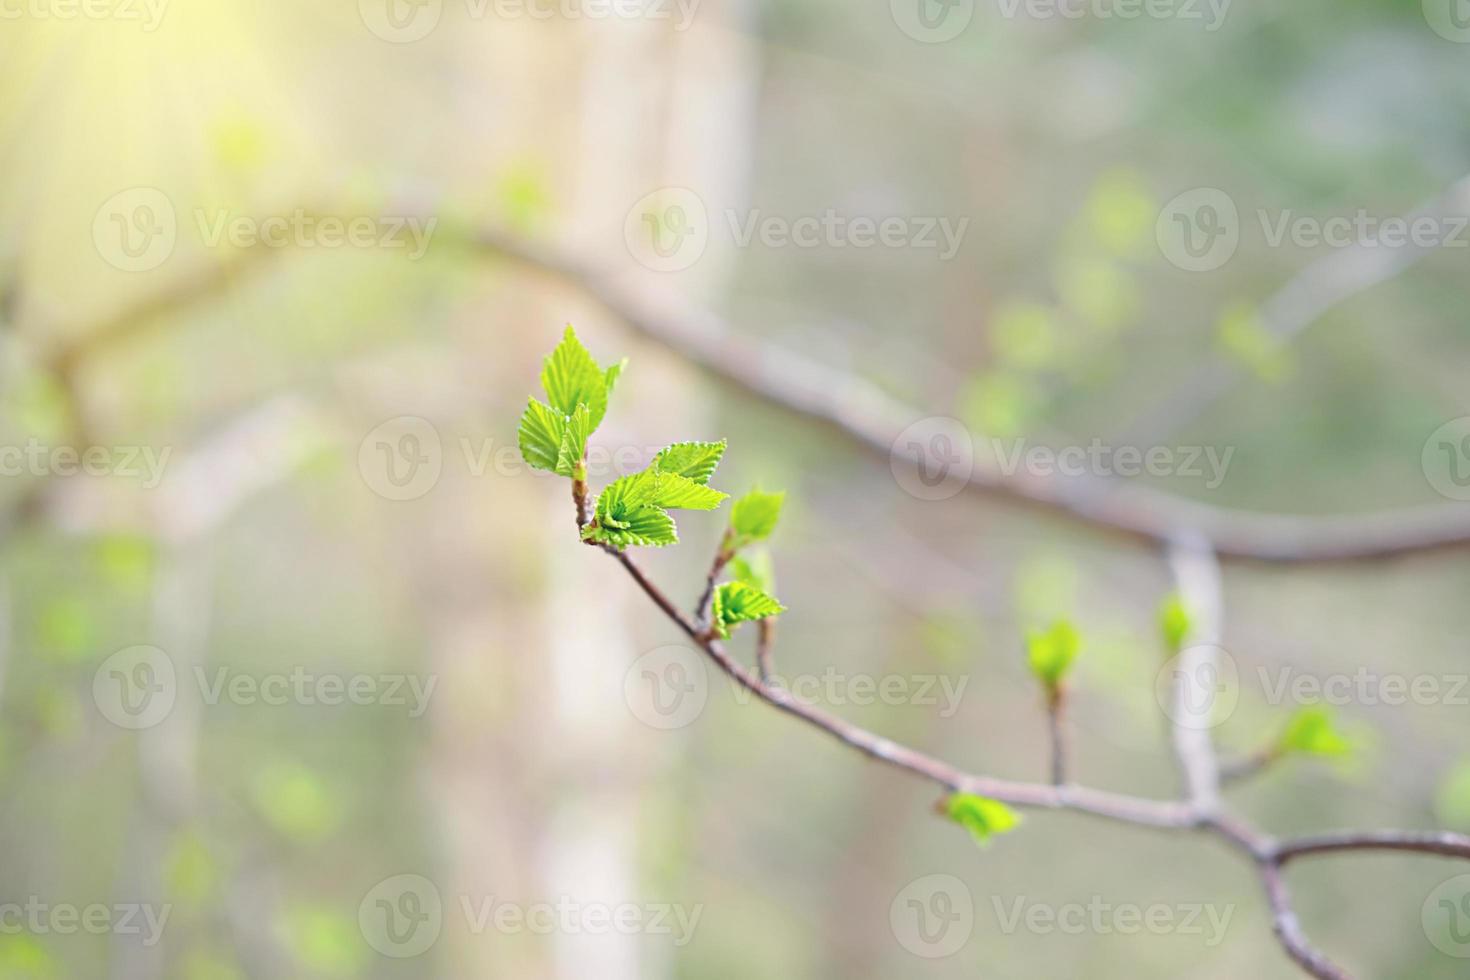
556 813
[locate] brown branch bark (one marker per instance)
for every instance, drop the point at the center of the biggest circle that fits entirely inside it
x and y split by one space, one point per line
1268 854
872 419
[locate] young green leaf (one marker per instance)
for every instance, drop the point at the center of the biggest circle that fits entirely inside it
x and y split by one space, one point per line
1313 731
983 817
610 379
1050 652
753 517
754 570
736 602
574 442
540 434
641 526
696 460
571 378
671 490
1174 623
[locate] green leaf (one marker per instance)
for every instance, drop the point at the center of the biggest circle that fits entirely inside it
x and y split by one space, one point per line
983 817
1174 623
696 460
540 435
754 570
571 378
610 379
641 527
1313 731
574 441
736 602
753 517
623 497
671 490
1051 652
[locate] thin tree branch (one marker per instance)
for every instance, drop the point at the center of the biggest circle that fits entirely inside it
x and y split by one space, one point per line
1308 296
1266 853
1439 843
722 558
1288 928
1239 770
1197 578
874 420
1057 737
765 644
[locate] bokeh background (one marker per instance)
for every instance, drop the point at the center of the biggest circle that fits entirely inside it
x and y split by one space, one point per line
281 384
